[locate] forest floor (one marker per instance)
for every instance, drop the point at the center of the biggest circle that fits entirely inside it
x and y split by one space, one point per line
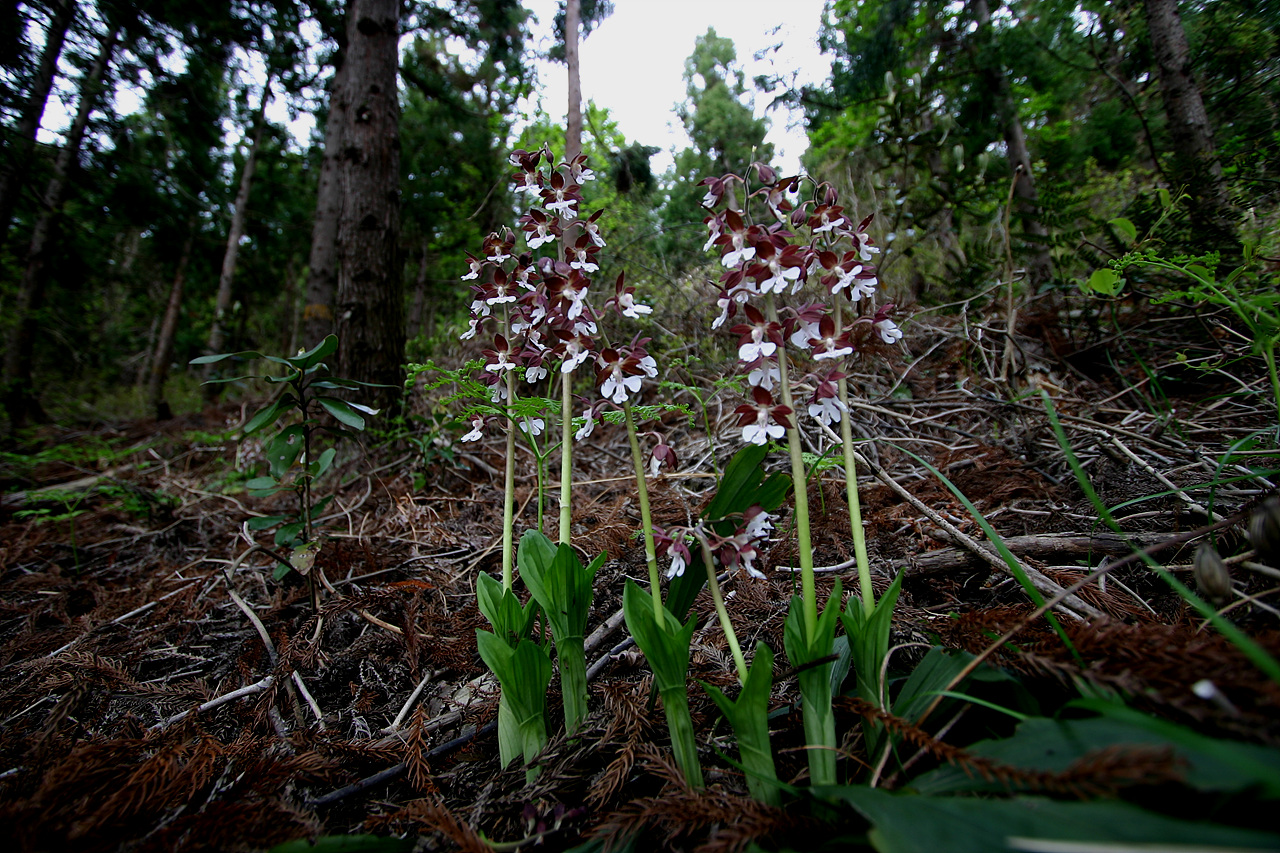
140 709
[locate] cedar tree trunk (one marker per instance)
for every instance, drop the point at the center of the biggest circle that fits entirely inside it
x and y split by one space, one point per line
322 268
1027 202
370 300
1196 161
573 127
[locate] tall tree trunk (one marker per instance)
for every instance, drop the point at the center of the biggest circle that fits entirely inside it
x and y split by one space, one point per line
573 126
1039 261
322 274
1195 154
24 136
222 302
168 330
370 301
19 392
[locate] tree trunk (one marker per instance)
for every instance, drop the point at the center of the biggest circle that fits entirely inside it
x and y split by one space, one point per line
322 274
24 136
19 393
168 330
573 126
370 302
1196 161
222 302
1039 262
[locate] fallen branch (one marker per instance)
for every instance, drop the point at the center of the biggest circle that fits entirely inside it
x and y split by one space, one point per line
248 690
1053 545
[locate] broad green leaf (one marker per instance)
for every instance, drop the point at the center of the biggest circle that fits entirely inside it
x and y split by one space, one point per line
288 534
1127 229
1217 764
266 521
324 463
931 675
342 411
214 359
748 715
1044 745
267 416
258 484
510 619
313 356
869 640
1200 272
1105 281
284 449
741 476
806 654
906 823
666 645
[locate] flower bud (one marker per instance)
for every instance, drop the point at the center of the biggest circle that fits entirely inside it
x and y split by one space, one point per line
1264 530
1212 578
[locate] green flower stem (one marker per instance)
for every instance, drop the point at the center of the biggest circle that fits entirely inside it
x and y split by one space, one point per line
855 507
851 489
646 518
566 455
713 584
509 489
807 587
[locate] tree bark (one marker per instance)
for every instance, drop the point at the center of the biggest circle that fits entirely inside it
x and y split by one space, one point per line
168 330
1039 262
20 400
322 273
222 302
24 137
1196 161
370 300
573 125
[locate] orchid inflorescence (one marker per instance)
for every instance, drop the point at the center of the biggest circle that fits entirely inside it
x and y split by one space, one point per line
536 304
777 259
540 303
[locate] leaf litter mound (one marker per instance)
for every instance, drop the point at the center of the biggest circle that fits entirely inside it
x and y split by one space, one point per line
140 709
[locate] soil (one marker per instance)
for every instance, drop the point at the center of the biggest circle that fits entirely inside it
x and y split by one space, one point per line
140 709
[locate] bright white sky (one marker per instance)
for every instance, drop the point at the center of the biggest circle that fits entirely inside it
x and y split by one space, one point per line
633 63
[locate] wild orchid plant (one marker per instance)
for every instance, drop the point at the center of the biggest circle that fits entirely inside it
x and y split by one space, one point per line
794 243
545 320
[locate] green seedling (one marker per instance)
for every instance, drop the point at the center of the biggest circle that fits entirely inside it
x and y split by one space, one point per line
293 464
